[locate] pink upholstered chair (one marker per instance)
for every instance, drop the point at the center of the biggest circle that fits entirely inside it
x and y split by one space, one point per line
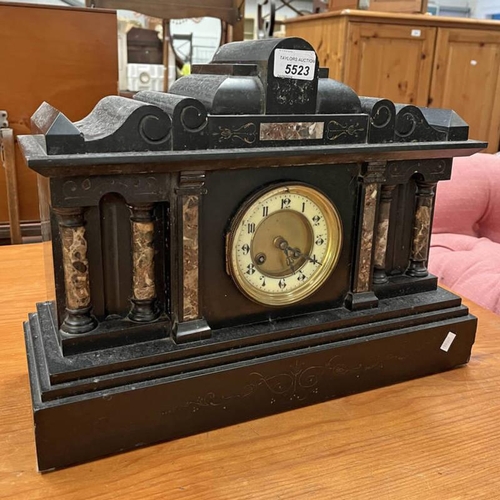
465 244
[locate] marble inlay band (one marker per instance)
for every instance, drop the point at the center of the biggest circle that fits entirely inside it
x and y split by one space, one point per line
190 231
291 131
363 278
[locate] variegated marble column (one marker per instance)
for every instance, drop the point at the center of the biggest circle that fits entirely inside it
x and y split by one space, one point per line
421 229
379 275
362 295
362 281
190 245
78 317
191 325
143 273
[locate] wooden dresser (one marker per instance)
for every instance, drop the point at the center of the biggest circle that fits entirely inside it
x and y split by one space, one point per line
419 59
51 54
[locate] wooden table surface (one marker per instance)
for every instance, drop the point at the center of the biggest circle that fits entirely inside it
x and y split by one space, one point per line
432 438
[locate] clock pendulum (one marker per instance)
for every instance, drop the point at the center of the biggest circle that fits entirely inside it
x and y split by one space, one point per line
250 242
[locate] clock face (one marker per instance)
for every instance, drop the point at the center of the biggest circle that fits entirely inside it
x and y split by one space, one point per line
283 244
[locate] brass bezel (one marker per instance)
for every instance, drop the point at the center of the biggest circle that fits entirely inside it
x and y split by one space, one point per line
335 241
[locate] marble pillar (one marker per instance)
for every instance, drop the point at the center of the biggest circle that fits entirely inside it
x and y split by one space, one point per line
379 275
143 274
78 318
421 229
190 323
362 295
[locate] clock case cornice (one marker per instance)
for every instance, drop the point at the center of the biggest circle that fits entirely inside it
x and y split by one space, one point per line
177 161
234 108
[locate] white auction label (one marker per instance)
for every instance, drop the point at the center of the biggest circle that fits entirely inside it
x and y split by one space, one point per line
445 346
296 64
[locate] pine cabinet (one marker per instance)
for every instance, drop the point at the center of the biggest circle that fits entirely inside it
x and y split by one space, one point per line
414 59
466 77
389 60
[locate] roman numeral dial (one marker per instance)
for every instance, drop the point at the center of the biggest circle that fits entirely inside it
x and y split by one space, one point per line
283 244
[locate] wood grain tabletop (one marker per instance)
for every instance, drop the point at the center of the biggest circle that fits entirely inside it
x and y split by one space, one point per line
433 438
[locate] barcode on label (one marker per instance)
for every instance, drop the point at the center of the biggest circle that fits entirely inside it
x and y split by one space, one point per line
295 64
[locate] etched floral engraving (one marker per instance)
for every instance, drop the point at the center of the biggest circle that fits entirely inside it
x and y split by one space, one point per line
246 133
335 130
81 187
298 384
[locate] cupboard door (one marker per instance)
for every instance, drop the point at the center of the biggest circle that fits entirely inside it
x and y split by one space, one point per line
466 78
390 61
67 57
399 6
327 36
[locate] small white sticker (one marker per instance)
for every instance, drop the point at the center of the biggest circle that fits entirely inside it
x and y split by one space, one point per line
473 62
416 33
295 64
448 341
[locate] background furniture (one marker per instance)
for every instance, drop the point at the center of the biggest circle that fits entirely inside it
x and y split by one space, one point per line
423 60
8 159
402 6
267 13
227 10
465 245
230 11
144 46
435 437
51 54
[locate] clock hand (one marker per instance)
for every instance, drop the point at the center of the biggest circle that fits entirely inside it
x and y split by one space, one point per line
298 253
282 244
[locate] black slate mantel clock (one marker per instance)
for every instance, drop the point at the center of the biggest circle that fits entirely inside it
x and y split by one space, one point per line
254 241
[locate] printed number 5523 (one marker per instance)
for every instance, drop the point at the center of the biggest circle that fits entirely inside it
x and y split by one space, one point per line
297 69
